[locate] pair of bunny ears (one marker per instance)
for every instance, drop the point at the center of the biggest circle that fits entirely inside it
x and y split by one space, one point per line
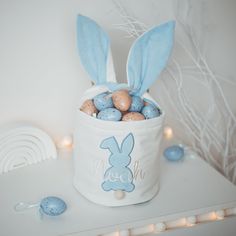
147 57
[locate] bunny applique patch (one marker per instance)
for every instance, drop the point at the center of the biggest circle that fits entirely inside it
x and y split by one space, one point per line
119 176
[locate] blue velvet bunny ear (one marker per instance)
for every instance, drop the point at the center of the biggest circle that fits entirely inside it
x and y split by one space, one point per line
94 50
148 57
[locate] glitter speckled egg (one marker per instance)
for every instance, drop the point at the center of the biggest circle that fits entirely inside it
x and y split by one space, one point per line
150 111
148 102
109 114
52 206
133 116
103 101
136 104
174 153
88 107
122 100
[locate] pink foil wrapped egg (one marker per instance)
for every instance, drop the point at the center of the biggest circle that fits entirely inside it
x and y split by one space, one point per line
133 116
88 107
121 100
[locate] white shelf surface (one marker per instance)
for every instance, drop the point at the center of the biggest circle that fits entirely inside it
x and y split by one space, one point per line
187 188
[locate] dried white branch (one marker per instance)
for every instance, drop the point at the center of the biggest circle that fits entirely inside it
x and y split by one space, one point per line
212 133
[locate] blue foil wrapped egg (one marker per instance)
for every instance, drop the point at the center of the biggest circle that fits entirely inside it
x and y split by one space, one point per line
136 104
110 114
150 111
52 206
174 153
103 101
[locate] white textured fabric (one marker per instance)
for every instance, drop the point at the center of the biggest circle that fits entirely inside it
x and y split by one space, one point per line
91 161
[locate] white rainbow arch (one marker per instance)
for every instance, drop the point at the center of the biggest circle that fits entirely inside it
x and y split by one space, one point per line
24 144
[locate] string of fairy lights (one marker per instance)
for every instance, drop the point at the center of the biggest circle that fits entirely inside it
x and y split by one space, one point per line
189 221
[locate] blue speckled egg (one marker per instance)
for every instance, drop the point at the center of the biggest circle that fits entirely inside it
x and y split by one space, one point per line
52 206
103 101
110 114
174 153
136 104
150 111
148 101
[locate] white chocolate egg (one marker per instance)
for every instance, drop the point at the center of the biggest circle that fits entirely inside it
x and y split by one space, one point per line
133 116
88 107
121 100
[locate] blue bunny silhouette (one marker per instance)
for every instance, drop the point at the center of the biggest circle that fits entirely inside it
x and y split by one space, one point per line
118 176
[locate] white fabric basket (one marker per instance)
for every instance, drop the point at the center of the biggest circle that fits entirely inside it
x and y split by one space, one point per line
117 163
91 161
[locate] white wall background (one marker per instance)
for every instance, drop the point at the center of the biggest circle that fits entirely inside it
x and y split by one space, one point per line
41 78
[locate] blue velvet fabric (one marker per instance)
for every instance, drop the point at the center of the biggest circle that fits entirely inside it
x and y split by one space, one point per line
93 44
149 56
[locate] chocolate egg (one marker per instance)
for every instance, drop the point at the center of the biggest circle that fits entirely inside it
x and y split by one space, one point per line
109 114
103 101
121 100
133 116
136 104
124 112
150 111
88 107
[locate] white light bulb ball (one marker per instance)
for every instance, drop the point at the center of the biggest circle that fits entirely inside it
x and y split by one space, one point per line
191 220
168 132
234 211
67 141
220 214
160 227
124 233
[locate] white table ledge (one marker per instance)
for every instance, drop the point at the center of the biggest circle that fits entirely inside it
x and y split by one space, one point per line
187 188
